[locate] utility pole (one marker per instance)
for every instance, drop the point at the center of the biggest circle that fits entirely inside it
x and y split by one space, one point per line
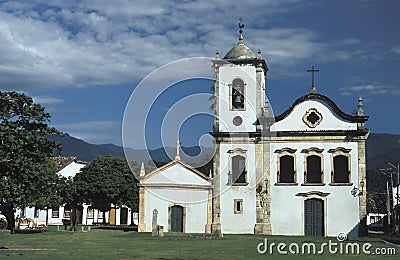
388 205
396 207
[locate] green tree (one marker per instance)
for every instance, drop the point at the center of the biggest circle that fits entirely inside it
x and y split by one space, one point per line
27 176
108 180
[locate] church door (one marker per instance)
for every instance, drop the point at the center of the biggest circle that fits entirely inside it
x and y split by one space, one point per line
314 217
176 218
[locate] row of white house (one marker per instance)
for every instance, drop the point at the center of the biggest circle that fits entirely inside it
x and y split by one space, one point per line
86 215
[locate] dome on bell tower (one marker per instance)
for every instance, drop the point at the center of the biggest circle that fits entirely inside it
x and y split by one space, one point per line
240 50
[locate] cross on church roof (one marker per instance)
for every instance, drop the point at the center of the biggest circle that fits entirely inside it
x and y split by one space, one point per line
312 70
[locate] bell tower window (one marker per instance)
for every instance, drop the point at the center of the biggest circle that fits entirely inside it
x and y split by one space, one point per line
238 94
238 169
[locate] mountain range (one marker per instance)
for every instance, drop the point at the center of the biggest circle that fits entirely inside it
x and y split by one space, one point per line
380 149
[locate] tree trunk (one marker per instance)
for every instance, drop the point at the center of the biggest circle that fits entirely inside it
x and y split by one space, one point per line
8 212
73 218
104 217
47 216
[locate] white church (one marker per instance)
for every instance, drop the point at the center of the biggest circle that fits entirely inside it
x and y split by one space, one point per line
300 173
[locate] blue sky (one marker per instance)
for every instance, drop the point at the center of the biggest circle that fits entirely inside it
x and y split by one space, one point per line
82 59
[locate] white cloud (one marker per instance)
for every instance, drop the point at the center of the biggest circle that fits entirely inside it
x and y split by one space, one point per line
89 125
47 100
395 50
370 89
96 132
49 44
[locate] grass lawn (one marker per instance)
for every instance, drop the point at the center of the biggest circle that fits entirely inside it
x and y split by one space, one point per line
117 244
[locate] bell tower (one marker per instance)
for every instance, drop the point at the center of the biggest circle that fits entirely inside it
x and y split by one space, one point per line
240 103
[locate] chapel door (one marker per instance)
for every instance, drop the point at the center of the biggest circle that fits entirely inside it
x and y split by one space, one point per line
176 218
314 217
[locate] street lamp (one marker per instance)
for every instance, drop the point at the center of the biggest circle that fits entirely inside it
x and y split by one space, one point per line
362 188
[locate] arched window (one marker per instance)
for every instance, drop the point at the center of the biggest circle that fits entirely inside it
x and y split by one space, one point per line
237 94
286 172
238 169
341 173
314 169
237 174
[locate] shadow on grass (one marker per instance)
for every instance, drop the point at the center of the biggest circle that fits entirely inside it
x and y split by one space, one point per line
123 228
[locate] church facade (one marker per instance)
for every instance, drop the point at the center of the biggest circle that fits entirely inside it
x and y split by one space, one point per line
299 173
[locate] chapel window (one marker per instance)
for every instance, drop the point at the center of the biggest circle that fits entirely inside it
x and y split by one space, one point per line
286 166
340 163
341 172
237 94
286 172
313 170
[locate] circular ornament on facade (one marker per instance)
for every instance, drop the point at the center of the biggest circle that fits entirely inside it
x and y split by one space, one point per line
312 118
237 120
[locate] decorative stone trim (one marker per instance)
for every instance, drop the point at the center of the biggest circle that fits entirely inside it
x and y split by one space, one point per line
177 186
240 184
312 118
341 184
285 184
313 184
312 194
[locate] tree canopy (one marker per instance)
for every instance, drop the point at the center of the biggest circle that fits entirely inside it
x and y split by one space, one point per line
27 176
108 180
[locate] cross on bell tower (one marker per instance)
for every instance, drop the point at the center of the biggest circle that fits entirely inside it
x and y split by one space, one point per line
241 26
313 89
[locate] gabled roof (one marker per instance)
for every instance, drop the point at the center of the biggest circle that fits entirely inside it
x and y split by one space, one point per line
62 162
173 163
329 102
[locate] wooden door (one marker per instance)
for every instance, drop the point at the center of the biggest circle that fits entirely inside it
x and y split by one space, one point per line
176 218
123 216
112 216
314 217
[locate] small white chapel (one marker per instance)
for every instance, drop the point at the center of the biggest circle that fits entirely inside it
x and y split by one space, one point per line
300 173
